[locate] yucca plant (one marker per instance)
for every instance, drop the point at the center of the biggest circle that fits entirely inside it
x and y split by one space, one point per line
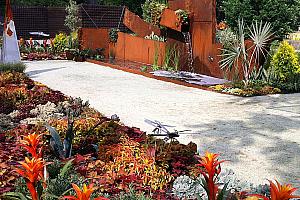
239 55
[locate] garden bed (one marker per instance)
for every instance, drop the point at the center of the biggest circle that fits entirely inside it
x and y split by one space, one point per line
100 144
122 162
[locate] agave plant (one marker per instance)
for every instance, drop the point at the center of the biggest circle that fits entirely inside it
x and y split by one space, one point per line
62 150
239 55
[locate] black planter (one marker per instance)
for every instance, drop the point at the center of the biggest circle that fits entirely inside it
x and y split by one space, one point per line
79 59
69 55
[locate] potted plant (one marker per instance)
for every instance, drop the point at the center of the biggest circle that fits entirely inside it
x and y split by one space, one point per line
113 35
113 38
78 56
72 45
99 54
183 20
182 16
69 54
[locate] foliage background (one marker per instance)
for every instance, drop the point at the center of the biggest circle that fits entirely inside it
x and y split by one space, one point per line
283 14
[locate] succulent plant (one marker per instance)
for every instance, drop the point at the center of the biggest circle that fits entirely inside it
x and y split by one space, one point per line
152 36
227 176
185 187
5 122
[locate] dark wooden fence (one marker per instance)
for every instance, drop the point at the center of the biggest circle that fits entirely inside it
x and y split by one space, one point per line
50 20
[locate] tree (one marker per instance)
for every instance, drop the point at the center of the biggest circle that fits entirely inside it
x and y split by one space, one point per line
220 10
72 20
283 14
133 5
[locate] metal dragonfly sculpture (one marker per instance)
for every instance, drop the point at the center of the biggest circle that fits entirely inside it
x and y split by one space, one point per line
160 129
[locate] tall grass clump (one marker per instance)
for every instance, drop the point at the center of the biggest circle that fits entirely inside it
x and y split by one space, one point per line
12 67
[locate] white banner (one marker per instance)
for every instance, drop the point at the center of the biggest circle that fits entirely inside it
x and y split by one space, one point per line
10 48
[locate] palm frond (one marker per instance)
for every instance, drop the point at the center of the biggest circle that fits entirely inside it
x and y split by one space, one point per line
230 57
261 34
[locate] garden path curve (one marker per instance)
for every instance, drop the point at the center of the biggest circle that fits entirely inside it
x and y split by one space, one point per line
260 136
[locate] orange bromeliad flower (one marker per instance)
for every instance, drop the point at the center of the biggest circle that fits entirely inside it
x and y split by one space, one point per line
31 171
211 170
222 26
84 194
30 143
30 41
282 192
21 42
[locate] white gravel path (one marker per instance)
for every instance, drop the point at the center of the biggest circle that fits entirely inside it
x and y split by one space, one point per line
259 135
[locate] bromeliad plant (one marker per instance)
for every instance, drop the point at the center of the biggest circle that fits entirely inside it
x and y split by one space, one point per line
84 194
282 192
31 144
62 150
32 170
210 168
239 55
277 192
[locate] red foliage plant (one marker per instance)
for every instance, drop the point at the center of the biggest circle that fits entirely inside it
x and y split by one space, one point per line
10 152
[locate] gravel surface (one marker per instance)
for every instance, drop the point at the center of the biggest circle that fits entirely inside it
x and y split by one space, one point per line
260 136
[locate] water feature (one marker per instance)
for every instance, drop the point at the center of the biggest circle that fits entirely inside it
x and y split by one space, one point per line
189 47
189 77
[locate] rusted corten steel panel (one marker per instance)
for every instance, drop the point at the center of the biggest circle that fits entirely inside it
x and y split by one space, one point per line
92 38
205 58
202 10
138 25
182 48
137 49
205 49
177 4
170 20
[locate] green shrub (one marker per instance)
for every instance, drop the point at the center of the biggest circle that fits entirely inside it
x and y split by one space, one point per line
285 63
72 20
113 35
152 10
9 67
288 87
132 195
283 14
60 42
226 37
